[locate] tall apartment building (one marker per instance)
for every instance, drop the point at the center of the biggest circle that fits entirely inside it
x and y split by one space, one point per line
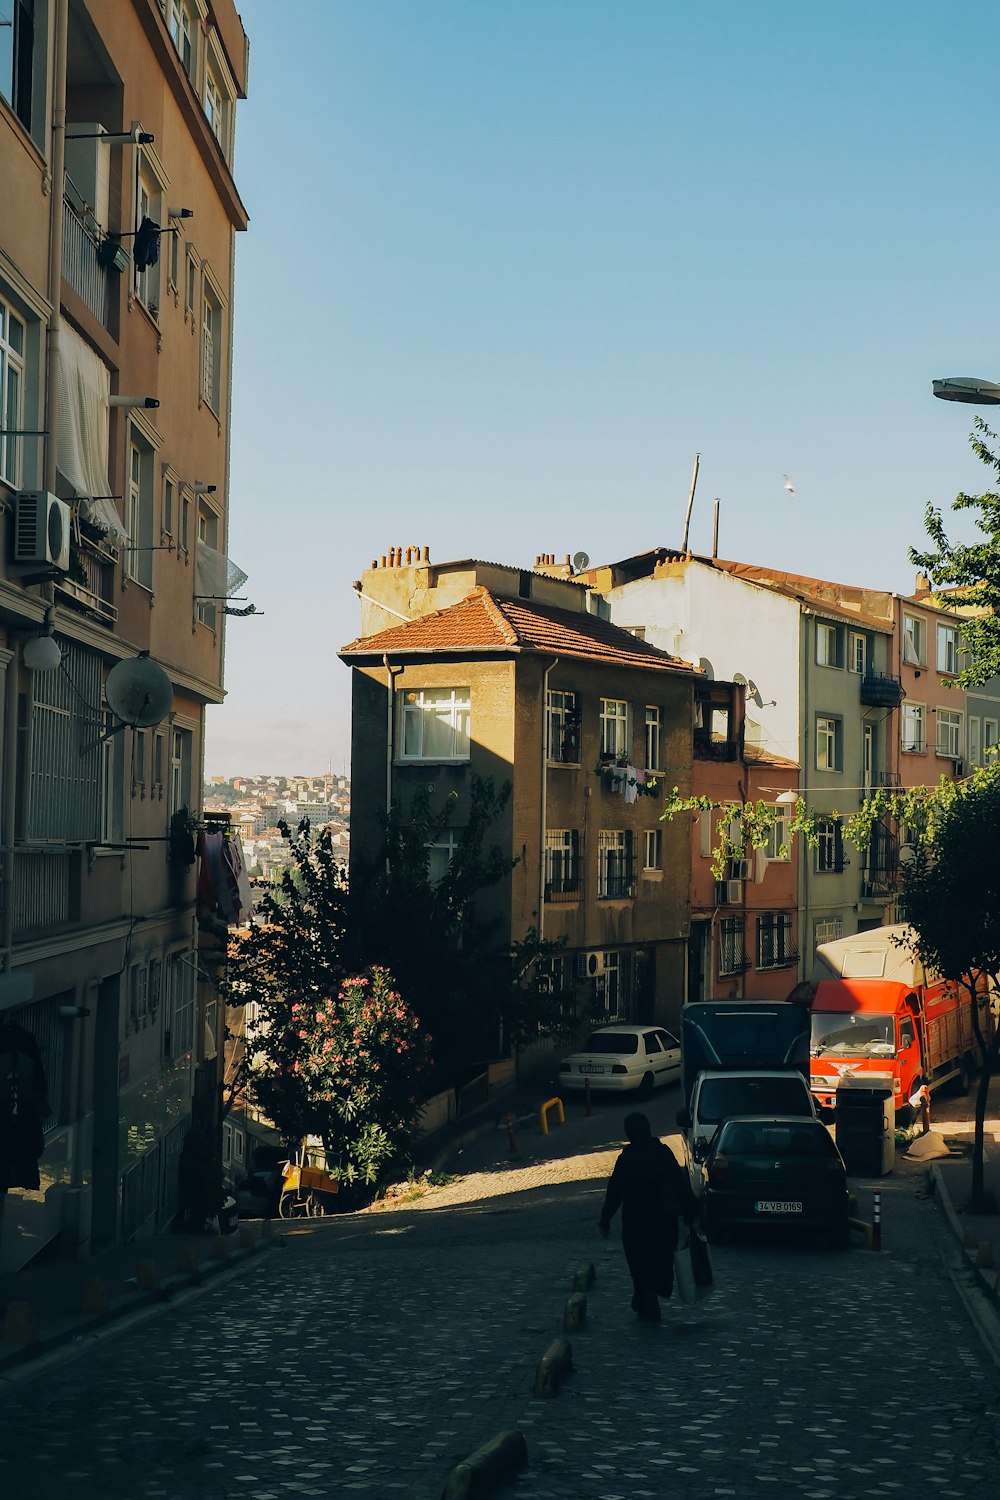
117 237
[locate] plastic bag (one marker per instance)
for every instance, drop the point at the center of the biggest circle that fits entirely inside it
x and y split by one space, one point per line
701 1264
692 1264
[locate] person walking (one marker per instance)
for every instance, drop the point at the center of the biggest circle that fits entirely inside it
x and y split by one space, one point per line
653 1192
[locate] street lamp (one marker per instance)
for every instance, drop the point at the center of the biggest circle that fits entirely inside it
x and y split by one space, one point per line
968 389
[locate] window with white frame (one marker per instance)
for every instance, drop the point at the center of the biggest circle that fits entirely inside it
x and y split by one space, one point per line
947 649
211 348
13 336
138 996
732 953
613 988
829 743
653 857
139 767
562 862
913 725
615 873
184 540
150 206
654 727
829 644
181 758
168 506
190 285
139 510
774 940
111 774
989 739
949 733
830 847
209 526
65 775
433 723
159 758
616 740
20 59
779 837
180 971
440 854
562 727
183 30
219 104
857 652
975 740
914 641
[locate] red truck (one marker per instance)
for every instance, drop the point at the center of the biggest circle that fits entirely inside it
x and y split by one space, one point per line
881 1019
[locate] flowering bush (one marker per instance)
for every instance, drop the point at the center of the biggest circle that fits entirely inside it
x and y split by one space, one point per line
349 1068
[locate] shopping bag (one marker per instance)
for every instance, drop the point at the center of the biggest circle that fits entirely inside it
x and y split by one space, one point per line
684 1281
701 1264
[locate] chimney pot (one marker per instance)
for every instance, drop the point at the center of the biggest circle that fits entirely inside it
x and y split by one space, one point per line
383 559
427 555
923 584
409 556
374 563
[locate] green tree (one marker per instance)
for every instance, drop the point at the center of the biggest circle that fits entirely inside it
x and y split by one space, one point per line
971 569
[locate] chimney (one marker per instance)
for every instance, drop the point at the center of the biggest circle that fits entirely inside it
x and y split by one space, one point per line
923 586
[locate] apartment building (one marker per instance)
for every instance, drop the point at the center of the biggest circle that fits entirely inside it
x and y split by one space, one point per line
474 668
117 240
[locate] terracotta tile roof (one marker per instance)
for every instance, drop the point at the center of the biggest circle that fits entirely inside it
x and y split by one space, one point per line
759 755
485 624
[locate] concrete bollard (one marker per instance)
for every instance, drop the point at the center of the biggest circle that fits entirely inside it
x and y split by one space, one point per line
575 1313
490 1465
508 1120
147 1277
876 1221
19 1324
220 1249
585 1277
553 1367
95 1296
267 1229
248 1237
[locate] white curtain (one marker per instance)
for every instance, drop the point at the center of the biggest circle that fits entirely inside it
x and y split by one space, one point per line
82 430
215 577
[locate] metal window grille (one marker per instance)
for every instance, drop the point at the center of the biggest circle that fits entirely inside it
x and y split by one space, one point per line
64 760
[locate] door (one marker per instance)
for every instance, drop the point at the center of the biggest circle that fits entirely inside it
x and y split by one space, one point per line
868 763
671 1055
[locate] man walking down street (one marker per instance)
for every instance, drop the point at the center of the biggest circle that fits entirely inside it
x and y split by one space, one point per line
653 1192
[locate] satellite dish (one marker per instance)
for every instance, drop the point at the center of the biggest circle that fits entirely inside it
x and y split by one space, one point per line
580 561
139 692
707 668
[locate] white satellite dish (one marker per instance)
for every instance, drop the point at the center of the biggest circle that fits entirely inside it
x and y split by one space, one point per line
139 692
580 561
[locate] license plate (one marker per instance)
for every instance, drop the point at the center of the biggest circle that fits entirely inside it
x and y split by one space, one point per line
591 1068
772 1206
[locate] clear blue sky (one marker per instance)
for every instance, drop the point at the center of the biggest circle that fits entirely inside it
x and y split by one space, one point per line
512 263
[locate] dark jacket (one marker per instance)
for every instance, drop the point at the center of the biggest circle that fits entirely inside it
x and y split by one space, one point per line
650 1187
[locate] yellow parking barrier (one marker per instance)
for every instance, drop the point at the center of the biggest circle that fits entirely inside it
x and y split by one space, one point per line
543 1114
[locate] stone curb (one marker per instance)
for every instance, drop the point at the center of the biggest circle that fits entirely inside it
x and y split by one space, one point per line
69 1335
487 1468
976 1285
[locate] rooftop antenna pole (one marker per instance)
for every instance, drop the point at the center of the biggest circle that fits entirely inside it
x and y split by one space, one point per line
687 518
715 529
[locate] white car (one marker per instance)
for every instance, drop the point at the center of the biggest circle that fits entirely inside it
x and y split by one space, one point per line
623 1058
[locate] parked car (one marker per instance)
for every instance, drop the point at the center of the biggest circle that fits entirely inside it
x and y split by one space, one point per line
786 1170
623 1058
718 1096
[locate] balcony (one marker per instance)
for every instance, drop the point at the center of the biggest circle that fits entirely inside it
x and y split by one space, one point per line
707 747
93 283
90 584
880 691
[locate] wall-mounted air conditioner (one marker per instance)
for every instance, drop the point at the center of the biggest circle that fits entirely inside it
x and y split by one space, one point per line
729 893
41 529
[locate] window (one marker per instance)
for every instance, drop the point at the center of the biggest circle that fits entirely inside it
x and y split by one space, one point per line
139 761
181 742
829 744
914 641
975 740
219 107
732 955
615 878
211 349
774 940
989 739
184 541
616 740
857 653
17 44
613 988
828 931
433 723
62 801
139 511
653 858
169 506
440 855
947 649
562 863
150 206
653 726
208 535
779 837
182 32
829 645
562 727
830 849
190 285
179 994
12 342
138 996
111 784
914 731
159 750
705 833
949 733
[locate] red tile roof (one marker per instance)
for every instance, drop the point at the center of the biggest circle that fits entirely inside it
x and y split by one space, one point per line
483 623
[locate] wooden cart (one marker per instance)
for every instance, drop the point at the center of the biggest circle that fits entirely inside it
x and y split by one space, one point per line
307 1185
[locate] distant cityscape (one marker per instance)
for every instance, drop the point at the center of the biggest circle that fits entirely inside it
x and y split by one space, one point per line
256 805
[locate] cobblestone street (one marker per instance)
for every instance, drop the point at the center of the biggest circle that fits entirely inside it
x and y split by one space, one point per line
375 1351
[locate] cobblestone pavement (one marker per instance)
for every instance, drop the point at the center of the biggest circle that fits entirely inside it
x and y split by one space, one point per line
377 1350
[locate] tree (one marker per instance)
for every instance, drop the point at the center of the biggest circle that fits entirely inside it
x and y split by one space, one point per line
972 570
951 898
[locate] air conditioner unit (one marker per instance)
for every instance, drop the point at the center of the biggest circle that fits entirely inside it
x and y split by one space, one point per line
41 529
595 965
729 893
739 869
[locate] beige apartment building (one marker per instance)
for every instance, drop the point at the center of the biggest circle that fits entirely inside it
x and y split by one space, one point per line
117 238
472 668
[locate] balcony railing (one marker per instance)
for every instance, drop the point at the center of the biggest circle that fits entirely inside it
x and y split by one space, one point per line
42 892
562 890
93 284
617 881
92 592
707 748
880 691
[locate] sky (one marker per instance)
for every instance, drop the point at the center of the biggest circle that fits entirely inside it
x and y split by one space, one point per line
512 263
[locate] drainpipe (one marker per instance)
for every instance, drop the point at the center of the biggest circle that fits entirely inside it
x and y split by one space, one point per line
391 674
544 801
